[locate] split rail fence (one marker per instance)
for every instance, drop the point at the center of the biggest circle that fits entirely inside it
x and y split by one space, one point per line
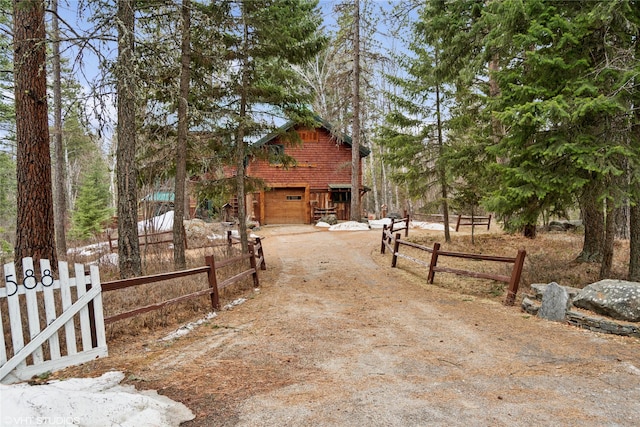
461 220
149 239
395 242
52 342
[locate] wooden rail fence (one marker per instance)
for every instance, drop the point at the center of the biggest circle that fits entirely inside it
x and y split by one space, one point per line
473 220
149 239
210 269
461 220
257 245
513 280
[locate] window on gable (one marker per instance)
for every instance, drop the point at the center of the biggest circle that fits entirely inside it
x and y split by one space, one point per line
308 135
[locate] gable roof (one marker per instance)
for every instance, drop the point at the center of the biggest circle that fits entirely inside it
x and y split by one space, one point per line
320 123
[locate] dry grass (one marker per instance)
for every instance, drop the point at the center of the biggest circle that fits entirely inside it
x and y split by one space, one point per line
550 258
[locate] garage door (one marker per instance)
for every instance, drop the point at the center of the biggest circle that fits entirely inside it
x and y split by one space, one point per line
285 206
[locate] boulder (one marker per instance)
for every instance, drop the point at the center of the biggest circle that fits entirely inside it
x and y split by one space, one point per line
554 302
617 299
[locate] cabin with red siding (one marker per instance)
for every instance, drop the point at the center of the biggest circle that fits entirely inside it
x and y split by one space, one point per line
316 180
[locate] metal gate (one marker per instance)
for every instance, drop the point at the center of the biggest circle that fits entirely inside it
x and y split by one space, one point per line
49 312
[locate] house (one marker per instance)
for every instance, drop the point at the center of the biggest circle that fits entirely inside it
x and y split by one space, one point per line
318 181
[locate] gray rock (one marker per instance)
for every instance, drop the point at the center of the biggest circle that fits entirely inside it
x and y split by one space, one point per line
617 299
554 302
529 306
539 288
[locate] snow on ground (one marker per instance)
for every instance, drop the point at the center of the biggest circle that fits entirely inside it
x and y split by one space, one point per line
90 402
185 329
157 224
323 224
89 250
350 226
429 226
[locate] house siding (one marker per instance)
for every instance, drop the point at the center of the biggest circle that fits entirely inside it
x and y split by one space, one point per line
320 161
318 164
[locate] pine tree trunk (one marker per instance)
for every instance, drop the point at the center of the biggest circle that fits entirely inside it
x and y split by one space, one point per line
607 247
634 240
60 205
593 220
355 130
127 174
240 148
374 183
442 172
35 231
181 146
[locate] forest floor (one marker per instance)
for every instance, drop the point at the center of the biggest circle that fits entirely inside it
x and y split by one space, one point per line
336 337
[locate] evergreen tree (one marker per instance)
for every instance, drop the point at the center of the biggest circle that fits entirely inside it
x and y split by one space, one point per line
263 40
564 104
92 210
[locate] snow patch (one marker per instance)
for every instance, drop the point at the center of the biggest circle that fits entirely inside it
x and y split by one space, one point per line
157 224
323 224
350 226
185 329
90 402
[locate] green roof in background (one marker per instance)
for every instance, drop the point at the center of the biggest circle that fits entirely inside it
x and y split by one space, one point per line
160 196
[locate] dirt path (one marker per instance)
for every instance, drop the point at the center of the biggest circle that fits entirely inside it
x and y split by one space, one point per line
335 337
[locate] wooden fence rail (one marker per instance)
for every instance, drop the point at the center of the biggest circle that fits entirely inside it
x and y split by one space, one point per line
210 269
461 220
473 220
148 239
513 280
257 244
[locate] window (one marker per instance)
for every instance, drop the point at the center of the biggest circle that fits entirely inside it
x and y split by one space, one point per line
293 198
341 196
308 135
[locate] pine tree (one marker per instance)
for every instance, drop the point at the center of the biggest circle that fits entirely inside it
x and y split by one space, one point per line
565 106
263 41
92 210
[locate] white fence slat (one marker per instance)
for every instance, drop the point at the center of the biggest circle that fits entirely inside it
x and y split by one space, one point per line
37 341
3 345
85 326
65 296
101 338
13 303
47 281
30 282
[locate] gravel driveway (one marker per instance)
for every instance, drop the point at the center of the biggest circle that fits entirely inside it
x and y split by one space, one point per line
335 337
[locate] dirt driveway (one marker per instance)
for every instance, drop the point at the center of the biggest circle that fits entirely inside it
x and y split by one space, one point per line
335 337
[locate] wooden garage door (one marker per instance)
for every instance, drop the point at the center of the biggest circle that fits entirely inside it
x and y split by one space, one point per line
285 206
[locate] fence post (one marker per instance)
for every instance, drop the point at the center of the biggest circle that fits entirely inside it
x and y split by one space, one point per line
384 232
515 278
229 241
406 230
213 282
396 248
458 223
433 263
263 263
489 222
252 262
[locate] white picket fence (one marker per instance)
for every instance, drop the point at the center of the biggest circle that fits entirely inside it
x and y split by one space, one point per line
51 305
